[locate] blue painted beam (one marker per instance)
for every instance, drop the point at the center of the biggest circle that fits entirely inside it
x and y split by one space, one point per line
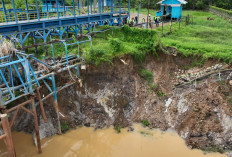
35 25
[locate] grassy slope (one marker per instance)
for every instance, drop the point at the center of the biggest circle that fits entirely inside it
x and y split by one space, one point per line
212 39
208 38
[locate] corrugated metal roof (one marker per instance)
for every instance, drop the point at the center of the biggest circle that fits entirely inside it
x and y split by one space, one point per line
181 1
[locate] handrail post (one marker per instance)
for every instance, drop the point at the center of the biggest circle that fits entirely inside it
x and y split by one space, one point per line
64 8
78 5
37 8
15 14
27 9
57 9
88 6
94 6
129 8
74 11
47 8
7 131
120 7
4 10
138 12
91 6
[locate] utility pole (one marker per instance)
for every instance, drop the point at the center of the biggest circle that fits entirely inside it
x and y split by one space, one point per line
148 12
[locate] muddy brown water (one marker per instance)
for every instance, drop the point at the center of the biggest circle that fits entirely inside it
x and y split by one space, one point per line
85 142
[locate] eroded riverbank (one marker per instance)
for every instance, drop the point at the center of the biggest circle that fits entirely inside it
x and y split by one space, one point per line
85 142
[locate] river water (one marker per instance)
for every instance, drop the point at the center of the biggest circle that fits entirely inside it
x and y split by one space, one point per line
85 142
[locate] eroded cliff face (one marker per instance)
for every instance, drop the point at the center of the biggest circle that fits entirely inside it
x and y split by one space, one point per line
117 95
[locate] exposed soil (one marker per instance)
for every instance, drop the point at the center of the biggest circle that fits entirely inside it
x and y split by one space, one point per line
117 95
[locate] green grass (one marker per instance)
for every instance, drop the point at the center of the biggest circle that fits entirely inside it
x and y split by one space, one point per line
209 39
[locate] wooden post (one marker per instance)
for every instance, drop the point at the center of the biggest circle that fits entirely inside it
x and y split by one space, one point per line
8 138
36 126
179 24
192 20
171 27
162 27
41 105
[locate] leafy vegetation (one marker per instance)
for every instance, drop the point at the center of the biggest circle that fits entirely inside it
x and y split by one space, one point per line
133 41
230 101
160 93
117 128
153 87
64 127
215 149
146 74
145 123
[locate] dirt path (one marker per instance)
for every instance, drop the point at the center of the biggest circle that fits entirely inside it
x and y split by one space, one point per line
141 16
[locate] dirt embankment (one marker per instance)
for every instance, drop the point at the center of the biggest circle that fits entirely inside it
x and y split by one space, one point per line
117 95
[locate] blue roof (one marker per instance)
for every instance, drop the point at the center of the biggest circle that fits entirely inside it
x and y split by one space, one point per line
173 1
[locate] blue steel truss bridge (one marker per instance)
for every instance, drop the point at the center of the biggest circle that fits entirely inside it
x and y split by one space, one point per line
48 18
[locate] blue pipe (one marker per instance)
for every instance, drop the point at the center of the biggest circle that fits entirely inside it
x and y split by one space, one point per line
20 78
12 95
13 62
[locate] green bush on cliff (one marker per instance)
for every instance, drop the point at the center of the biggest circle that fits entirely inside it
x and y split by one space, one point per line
64 127
117 128
145 123
126 41
146 74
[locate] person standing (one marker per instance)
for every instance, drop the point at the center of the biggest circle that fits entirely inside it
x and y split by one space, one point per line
149 20
136 20
156 21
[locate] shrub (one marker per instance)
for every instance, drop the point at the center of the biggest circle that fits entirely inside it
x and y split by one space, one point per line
160 93
116 44
230 101
152 87
64 127
146 74
200 5
145 123
117 128
98 55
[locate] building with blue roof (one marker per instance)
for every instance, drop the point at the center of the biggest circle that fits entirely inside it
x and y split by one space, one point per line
171 9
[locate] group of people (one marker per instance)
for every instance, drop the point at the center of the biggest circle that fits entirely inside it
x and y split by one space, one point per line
134 21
